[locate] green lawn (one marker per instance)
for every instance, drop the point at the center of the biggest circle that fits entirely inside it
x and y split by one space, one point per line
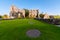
16 30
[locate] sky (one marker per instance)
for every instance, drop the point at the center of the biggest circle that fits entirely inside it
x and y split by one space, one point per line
52 7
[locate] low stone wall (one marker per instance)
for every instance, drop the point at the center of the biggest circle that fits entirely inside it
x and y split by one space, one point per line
5 19
50 21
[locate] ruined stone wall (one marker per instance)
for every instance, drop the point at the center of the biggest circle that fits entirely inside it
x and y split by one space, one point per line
46 16
23 12
33 13
15 12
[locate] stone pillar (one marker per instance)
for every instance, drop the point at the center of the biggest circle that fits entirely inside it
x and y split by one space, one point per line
19 16
38 14
30 13
10 14
23 13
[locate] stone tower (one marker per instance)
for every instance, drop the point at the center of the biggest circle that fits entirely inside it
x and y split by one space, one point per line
15 12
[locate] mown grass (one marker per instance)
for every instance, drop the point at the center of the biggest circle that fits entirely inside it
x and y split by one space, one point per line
16 30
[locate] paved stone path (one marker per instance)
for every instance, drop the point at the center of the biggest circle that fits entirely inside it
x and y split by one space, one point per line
33 33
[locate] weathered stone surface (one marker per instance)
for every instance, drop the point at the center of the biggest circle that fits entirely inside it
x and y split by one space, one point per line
33 13
16 12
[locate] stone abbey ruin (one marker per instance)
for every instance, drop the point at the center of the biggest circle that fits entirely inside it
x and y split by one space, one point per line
16 12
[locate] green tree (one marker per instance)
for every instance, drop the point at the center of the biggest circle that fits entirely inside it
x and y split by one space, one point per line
0 16
26 12
42 15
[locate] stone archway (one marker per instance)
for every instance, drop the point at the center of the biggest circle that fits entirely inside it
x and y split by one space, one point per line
20 15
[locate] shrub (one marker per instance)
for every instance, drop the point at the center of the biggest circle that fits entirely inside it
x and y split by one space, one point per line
41 15
0 16
5 16
26 13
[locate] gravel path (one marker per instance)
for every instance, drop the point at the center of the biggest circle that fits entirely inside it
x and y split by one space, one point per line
58 25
